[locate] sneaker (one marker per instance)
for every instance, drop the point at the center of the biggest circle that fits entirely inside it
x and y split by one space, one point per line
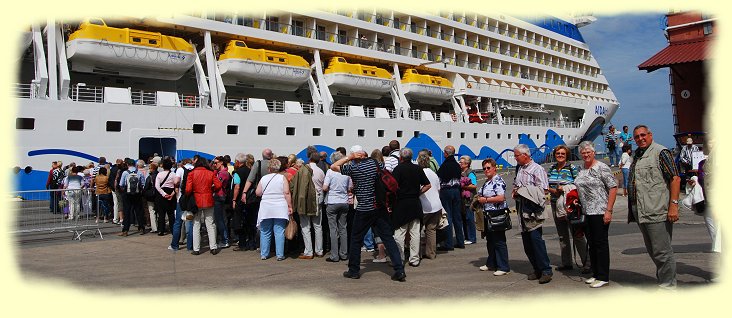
485 268
226 245
598 284
196 253
171 248
348 274
545 279
468 242
590 280
499 273
370 250
363 248
215 251
379 260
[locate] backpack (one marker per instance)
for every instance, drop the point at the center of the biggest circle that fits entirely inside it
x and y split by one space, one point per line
227 187
386 188
57 179
149 191
133 183
187 201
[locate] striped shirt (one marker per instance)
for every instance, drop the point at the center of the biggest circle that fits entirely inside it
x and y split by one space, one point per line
391 161
562 176
363 174
531 174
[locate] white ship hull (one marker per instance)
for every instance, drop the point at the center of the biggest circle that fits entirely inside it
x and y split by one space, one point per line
358 85
90 56
262 75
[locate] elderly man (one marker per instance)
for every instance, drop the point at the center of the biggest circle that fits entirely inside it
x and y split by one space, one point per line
306 188
449 174
408 208
653 202
529 188
364 172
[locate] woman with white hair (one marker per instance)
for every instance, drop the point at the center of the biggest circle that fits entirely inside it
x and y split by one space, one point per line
337 186
597 187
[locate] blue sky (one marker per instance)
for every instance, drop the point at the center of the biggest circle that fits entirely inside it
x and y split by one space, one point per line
620 43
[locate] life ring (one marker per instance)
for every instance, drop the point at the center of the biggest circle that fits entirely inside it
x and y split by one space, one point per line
523 90
470 86
190 101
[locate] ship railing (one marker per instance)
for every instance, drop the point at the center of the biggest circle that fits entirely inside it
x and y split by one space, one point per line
525 92
554 123
25 90
140 97
49 214
91 94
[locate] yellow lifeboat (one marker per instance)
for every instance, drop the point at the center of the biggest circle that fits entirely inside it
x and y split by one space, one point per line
98 48
426 88
357 79
260 68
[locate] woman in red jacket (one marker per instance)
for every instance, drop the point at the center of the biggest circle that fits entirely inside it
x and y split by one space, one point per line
202 183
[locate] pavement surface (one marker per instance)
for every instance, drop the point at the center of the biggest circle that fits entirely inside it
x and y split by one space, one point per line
142 264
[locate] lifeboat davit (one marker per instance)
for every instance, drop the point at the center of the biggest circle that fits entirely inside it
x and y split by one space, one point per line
98 48
26 38
426 88
243 66
356 79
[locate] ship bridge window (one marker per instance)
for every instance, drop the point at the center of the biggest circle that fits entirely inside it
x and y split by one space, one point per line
361 132
199 128
316 131
339 132
262 130
399 133
232 129
380 133
25 123
290 131
75 125
114 125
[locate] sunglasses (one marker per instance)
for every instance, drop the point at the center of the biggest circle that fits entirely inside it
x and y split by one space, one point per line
487 168
560 154
640 136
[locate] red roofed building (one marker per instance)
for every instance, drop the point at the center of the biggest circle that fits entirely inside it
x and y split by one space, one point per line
690 36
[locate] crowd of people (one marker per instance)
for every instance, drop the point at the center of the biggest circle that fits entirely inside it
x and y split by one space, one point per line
345 203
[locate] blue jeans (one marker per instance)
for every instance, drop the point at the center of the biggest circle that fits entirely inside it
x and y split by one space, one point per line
469 226
451 202
104 201
266 227
497 250
368 240
220 219
614 156
626 172
177 227
379 220
535 250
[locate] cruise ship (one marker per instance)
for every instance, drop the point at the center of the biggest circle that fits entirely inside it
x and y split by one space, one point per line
223 83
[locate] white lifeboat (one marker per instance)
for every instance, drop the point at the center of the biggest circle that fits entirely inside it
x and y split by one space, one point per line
357 79
426 89
259 68
98 48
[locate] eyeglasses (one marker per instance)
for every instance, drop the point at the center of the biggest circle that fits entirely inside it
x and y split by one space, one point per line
642 135
487 168
560 154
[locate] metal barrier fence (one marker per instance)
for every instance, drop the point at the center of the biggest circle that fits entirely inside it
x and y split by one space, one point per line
75 211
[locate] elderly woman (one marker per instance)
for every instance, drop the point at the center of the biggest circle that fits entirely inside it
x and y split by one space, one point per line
597 188
468 183
431 206
561 174
274 210
166 184
493 197
337 186
104 193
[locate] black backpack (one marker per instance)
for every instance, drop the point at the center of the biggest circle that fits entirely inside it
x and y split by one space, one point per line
133 183
149 191
187 201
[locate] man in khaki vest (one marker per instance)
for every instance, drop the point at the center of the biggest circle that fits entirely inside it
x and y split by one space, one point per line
653 202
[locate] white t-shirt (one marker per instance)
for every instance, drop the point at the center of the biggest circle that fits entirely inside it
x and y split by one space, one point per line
431 199
625 161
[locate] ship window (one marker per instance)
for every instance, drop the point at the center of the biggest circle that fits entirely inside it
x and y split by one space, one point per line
509 136
136 40
240 44
262 130
114 125
449 134
487 135
361 132
475 135
152 41
499 136
282 60
75 125
316 131
339 132
380 133
562 136
399 133
199 128
232 129
25 123
416 133
290 131
462 135
270 58
537 136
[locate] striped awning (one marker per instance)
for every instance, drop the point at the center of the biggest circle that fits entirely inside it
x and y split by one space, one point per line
678 53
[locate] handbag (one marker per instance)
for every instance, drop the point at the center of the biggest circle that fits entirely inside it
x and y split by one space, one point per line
443 221
497 220
188 203
574 209
291 229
